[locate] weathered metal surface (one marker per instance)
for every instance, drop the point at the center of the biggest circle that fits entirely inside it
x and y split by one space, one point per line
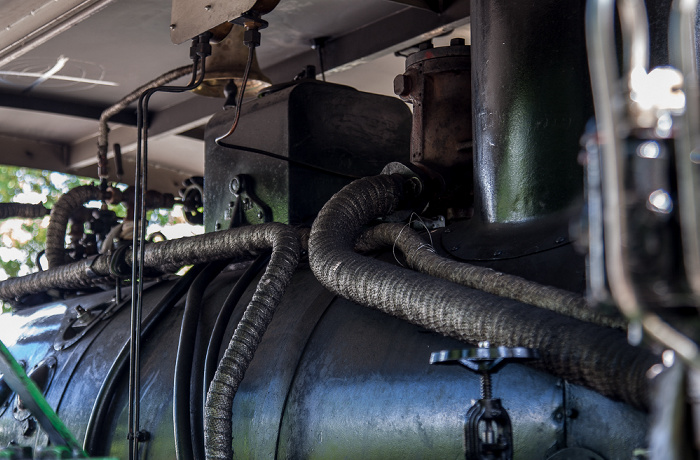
330 127
531 103
331 379
437 82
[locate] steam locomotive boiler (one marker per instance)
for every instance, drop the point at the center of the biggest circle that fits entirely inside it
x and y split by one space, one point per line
505 270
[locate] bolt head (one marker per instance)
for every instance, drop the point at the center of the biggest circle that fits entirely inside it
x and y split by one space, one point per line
402 85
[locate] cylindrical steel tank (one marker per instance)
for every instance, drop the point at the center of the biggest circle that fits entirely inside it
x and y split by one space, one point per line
331 379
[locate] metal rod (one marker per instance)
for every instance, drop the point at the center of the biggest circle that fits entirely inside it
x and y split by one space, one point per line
683 54
33 399
600 38
138 249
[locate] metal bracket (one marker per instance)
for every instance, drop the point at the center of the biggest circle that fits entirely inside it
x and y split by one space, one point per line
245 200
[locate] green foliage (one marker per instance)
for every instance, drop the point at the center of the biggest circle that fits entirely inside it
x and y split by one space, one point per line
23 239
28 236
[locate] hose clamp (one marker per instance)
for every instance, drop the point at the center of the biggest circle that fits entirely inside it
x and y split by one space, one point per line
118 266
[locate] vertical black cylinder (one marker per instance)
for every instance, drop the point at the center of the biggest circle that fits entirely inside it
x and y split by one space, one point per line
531 100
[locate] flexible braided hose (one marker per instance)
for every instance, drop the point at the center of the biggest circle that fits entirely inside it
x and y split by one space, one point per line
61 212
166 256
583 353
22 210
286 248
421 257
123 103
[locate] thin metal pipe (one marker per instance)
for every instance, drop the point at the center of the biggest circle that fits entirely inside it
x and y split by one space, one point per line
635 32
123 103
241 92
102 402
141 185
683 53
600 39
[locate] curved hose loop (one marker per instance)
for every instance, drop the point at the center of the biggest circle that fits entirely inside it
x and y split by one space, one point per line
123 103
580 352
286 248
61 212
421 257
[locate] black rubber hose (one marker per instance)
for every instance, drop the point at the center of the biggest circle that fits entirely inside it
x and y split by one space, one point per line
60 214
103 400
241 243
583 353
183 408
211 361
218 428
23 210
421 256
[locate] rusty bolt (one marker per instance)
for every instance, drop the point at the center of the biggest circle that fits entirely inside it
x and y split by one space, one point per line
402 85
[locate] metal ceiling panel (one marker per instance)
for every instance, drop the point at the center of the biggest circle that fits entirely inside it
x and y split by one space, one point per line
29 23
193 17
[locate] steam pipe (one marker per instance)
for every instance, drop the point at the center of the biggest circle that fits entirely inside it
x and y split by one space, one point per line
168 256
60 214
580 352
421 256
286 249
28 211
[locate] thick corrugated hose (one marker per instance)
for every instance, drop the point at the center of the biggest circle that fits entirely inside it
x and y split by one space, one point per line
60 214
583 353
421 256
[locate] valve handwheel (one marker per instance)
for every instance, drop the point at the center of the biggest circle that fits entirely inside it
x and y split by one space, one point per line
487 429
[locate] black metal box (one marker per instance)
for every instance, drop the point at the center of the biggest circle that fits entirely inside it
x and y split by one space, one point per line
327 132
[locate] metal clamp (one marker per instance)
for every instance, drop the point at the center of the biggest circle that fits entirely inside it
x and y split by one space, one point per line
246 200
